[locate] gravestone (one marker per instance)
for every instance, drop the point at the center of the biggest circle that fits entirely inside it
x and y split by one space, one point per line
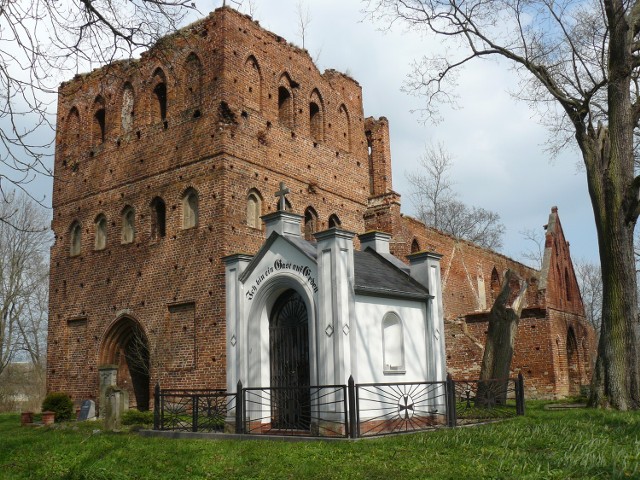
116 402
87 411
108 377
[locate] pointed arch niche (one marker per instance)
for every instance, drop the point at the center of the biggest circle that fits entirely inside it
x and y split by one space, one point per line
193 81
159 110
127 108
254 208
125 350
286 113
316 117
253 94
344 129
98 127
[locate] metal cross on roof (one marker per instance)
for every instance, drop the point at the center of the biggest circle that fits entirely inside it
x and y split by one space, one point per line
282 203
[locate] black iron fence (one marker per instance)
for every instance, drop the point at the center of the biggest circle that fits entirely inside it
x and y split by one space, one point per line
353 410
316 410
192 410
385 408
477 400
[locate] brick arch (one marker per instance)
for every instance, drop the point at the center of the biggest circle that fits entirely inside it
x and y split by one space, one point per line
193 82
98 121
190 201
127 107
254 208
316 116
286 103
573 363
75 238
160 94
253 94
125 345
71 134
415 246
310 223
344 128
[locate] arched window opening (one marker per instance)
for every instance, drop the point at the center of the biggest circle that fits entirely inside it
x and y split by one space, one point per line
316 117
573 368
285 107
126 113
392 343
567 285
254 209
415 246
315 122
160 92
158 218
99 119
253 96
344 129
75 239
193 69
310 224
100 233
190 209
495 283
334 221
128 225
72 136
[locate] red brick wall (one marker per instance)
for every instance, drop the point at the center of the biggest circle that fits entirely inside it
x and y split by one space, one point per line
225 152
222 136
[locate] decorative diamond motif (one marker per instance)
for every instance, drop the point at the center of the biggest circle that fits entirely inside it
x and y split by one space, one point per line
345 329
329 330
233 340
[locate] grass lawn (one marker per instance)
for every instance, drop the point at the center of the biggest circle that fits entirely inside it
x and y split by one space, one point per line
564 444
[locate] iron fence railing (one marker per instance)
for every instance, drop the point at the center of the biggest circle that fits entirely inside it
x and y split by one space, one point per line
192 410
315 411
385 408
353 410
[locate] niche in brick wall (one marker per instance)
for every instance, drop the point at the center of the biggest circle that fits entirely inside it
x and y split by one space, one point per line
181 333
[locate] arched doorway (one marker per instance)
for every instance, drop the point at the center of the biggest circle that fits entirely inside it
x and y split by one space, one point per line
125 346
289 362
573 369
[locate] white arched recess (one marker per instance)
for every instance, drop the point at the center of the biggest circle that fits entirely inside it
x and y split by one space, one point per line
254 361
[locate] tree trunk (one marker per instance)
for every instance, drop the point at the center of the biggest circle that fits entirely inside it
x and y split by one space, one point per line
615 378
608 154
498 350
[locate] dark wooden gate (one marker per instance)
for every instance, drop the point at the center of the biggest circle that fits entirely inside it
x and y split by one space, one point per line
289 358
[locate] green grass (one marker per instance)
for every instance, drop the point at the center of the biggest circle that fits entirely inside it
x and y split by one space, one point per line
567 444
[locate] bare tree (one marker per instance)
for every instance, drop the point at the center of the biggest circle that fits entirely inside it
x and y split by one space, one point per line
304 20
579 61
535 253
436 202
23 281
42 41
590 282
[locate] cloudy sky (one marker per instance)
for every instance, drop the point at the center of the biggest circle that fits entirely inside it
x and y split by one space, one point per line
496 141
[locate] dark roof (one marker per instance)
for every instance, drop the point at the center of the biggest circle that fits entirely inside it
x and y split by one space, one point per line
375 275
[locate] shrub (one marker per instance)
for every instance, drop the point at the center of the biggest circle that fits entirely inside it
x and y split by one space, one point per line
136 417
61 404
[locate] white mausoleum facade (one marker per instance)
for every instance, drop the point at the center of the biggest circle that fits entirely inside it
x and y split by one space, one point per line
305 313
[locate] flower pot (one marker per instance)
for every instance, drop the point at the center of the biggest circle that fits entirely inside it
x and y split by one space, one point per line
48 418
26 418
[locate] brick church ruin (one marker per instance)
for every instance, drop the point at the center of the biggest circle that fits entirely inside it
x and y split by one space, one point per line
165 165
